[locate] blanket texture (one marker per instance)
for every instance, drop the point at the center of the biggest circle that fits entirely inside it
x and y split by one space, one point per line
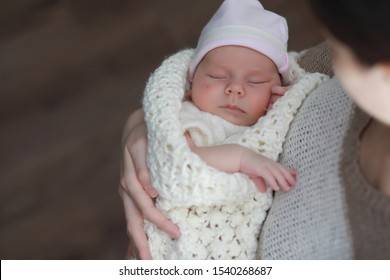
219 214
207 129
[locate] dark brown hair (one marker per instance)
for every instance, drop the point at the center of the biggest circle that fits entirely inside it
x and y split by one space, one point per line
362 25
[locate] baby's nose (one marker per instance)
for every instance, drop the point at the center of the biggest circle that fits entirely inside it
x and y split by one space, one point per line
235 88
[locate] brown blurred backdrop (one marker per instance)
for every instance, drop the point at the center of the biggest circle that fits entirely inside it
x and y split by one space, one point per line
71 71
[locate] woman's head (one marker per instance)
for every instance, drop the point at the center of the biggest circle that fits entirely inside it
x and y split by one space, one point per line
359 32
362 25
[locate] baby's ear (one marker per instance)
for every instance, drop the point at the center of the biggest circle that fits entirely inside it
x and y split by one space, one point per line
188 89
188 85
188 94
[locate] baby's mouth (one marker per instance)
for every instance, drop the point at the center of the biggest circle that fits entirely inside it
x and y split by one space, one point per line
234 108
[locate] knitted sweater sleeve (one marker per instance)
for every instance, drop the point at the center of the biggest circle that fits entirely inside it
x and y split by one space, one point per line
179 175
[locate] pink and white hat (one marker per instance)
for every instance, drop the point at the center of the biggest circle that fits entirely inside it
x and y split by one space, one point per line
245 23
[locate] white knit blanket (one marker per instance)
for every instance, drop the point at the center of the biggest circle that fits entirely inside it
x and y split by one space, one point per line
207 129
219 214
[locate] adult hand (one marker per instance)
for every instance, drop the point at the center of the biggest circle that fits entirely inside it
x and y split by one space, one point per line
136 189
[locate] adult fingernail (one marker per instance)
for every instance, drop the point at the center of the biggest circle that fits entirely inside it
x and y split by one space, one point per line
151 191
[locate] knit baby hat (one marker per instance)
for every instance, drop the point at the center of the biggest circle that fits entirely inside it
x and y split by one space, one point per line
245 23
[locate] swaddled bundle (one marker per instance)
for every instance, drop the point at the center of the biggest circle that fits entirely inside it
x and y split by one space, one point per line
219 214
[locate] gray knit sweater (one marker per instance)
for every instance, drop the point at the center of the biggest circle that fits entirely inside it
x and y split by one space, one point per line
331 213
309 222
368 209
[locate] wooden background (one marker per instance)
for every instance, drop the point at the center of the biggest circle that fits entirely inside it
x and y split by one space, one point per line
71 71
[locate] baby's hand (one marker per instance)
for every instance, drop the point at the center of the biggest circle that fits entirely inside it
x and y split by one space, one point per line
276 93
263 170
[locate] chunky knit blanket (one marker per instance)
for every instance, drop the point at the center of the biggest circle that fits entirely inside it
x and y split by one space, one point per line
219 214
207 129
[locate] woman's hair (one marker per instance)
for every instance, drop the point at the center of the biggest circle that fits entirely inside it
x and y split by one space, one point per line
362 25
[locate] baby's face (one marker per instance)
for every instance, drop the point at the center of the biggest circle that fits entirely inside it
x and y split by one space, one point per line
234 83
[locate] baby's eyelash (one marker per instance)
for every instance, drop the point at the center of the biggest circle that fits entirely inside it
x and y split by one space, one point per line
217 76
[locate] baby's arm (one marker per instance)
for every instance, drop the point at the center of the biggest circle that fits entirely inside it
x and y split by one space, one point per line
235 158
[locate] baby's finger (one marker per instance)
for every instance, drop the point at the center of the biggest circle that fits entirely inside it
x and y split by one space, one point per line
269 178
279 90
285 179
273 99
260 184
289 174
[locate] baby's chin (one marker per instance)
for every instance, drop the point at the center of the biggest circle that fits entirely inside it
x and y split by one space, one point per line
235 119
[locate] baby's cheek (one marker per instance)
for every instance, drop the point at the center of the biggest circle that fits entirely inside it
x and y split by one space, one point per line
210 86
